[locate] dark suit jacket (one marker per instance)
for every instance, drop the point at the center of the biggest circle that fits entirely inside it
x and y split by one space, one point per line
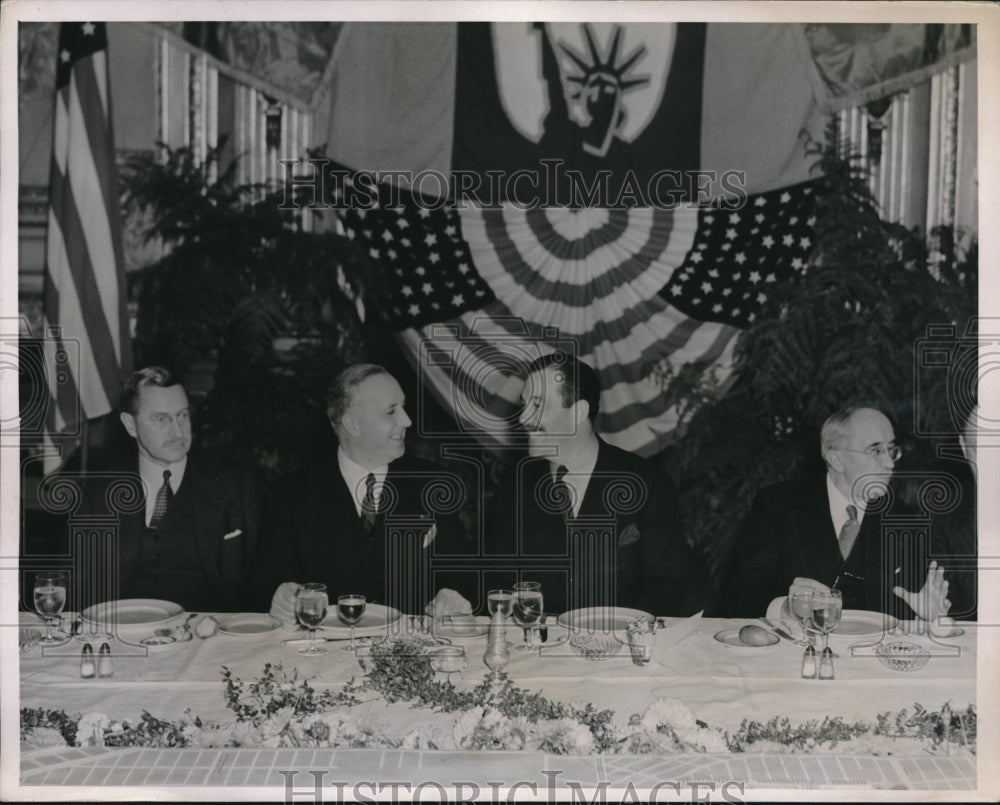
954 539
226 499
789 533
655 568
311 532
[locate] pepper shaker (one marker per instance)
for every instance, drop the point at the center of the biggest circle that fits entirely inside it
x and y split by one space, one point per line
105 668
826 664
87 661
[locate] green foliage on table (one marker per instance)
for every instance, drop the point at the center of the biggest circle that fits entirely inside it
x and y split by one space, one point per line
274 690
938 726
245 304
801 736
401 671
844 333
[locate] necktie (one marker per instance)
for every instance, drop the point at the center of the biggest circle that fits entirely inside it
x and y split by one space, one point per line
849 531
562 498
163 498
368 509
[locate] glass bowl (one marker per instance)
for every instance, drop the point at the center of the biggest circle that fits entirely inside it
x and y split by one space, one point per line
903 656
595 646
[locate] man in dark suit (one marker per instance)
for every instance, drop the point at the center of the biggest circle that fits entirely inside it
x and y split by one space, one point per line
190 536
828 529
362 520
595 524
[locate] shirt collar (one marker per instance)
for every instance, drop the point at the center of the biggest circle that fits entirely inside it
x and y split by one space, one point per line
151 473
355 477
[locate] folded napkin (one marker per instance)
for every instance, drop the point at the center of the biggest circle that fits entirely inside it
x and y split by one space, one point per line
283 603
448 602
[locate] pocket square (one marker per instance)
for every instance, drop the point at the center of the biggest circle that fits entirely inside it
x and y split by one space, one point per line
430 535
628 536
233 534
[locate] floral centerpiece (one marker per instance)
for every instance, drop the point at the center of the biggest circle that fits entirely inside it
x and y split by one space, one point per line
281 709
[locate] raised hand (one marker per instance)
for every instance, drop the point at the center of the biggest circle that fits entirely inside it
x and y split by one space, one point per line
932 600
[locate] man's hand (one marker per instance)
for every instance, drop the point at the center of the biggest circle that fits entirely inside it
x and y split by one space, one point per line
283 602
932 601
808 584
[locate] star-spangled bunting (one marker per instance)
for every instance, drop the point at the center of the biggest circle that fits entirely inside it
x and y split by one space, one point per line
738 254
422 249
480 285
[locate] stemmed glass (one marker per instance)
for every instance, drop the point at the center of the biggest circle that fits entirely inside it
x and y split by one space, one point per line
826 610
501 601
350 608
528 605
50 598
800 601
310 608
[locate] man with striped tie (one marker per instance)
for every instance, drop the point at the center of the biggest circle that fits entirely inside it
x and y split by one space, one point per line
191 539
827 531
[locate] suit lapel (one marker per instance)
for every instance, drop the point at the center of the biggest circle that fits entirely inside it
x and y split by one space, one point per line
813 534
208 506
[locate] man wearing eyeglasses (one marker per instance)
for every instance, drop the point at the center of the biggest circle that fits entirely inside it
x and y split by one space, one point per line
828 531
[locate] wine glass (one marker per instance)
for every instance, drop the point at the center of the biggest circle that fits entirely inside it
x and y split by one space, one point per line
800 602
50 598
501 601
826 609
310 608
527 608
350 608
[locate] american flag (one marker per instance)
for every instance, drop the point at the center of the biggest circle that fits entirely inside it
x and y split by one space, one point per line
476 292
84 306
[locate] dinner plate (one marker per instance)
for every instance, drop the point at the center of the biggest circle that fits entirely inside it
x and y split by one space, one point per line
853 622
249 623
731 637
601 619
375 621
133 612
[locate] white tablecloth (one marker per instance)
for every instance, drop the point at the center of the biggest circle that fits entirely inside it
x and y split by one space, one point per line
721 684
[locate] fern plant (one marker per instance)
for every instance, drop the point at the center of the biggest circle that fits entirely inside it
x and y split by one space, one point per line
845 333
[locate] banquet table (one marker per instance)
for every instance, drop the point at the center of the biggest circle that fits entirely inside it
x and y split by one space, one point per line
721 684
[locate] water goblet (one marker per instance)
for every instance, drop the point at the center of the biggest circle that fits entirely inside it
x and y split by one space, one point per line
800 602
826 609
350 608
310 608
528 605
501 601
50 598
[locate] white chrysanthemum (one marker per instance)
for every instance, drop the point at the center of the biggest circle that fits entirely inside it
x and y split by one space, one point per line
276 724
465 727
565 736
704 739
422 737
668 712
90 729
41 737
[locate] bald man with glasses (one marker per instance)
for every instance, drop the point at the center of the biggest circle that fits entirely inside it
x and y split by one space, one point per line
827 530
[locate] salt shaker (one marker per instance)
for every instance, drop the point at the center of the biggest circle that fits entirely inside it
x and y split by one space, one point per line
826 664
809 663
87 661
104 665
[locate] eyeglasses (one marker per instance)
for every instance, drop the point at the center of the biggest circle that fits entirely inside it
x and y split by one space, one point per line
893 450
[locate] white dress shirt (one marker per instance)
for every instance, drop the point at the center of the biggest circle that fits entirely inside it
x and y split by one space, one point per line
355 476
838 506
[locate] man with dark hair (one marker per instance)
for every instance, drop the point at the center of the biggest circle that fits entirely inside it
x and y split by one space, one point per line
191 539
595 524
820 530
362 520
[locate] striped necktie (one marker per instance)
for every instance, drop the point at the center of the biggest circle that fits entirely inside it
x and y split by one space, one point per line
368 507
